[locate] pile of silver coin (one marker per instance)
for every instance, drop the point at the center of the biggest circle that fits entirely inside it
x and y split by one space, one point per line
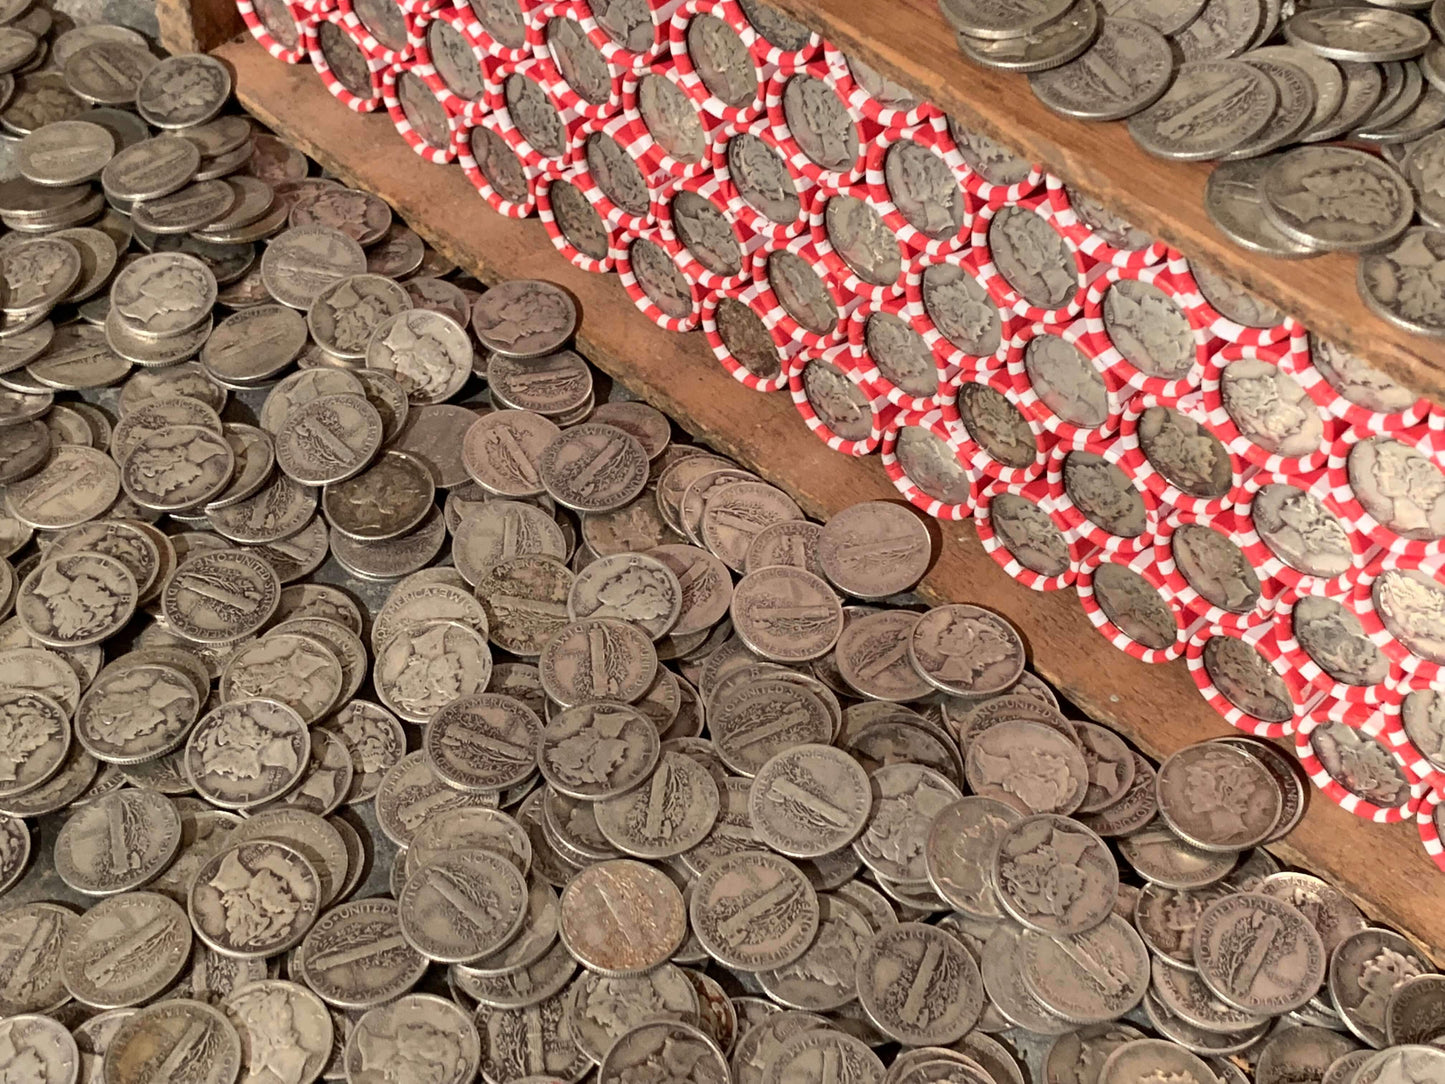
1271 93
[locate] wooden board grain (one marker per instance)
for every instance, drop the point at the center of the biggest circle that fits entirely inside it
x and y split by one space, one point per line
197 26
910 41
1156 706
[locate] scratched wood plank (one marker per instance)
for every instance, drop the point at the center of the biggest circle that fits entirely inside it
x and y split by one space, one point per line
1155 706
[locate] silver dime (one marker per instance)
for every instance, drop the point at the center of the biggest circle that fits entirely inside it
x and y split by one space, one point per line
36 743
1053 875
821 1050
1212 107
811 801
418 671
247 752
118 842
787 614
670 813
75 599
1304 188
524 318
254 899
483 742
763 717
1358 33
1364 970
598 659
1395 284
966 651
596 751
1063 972
355 956
659 1048
984 19
754 911
622 918
874 549
628 587
328 439
604 1008
525 602
1142 1058
125 950
1218 798
386 500
960 845
174 1032
220 597
462 905
1260 927
919 985
593 467
1048 47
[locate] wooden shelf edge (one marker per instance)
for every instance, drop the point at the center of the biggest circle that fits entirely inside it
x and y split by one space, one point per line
1157 707
910 41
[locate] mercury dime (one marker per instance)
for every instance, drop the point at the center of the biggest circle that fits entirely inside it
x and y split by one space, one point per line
1394 284
1065 973
598 750
32 936
658 1048
180 1032
754 911
991 20
604 1008
254 899
247 752
301 264
37 738
906 799
553 385
1212 107
785 613
355 956
462 905
220 597
1307 197
483 742
1032 257
598 659
813 800
763 717
386 500
1125 70
420 670
874 549
117 842
125 950
1048 47
76 599
328 439
1291 955
1218 798
959 847
1053 875
525 601
593 468
762 178
966 651
524 318
919 985
136 711
1362 34
622 918
1145 1058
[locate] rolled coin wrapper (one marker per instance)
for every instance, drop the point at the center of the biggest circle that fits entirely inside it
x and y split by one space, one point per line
1261 612
1035 400
294 50
1215 322
748 214
1286 636
312 9
1370 729
1223 425
664 311
1164 389
657 148
979 185
548 52
834 250
863 402
546 163
955 353
1091 243
840 85
479 36
791 59
1268 563
777 313
1429 827
1367 603
1415 758
996 543
620 52
423 7
687 72
1143 565
755 299
599 260
351 27
1238 717
1421 437
713 191
370 44
875 376
477 174
1095 533
1131 455
942 423
621 130
920 245
975 445
879 111
1301 363
424 66
437 153
1005 292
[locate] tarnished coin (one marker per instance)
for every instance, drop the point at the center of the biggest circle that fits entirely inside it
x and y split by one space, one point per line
622 918
247 752
669 814
75 599
1364 971
117 842
502 450
125 950
754 911
598 659
1404 1063
177 1031
301 264
959 848
1001 763
1125 70
296 670
593 468
178 469
462 905
219 597
598 750
809 801
328 439
37 740
906 799
1393 283
1211 108
824 977
524 318
386 500
1033 862
1303 186
163 294
787 614
874 549
355 956
1218 798
604 1008
1264 928
484 742
919 985
34 935
254 899
525 602
966 651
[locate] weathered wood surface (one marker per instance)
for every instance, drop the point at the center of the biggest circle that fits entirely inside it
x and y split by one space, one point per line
1384 868
197 26
910 41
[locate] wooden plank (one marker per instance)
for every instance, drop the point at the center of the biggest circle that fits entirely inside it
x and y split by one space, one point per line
197 26
1156 706
910 41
